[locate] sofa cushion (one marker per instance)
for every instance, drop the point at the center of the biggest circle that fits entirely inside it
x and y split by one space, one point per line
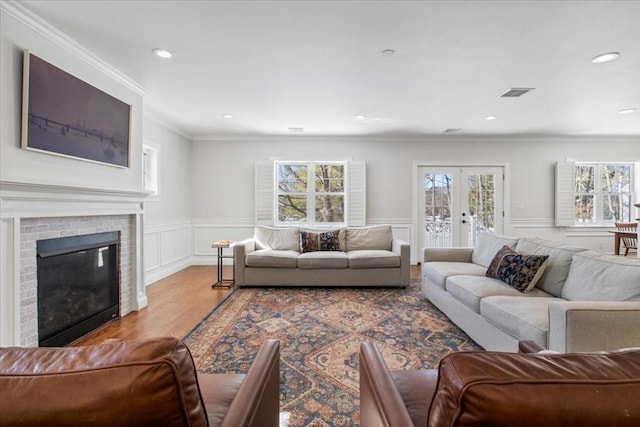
470 290
438 271
280 238
323 259
373 259
524 318
557 269
272 258
363 238
488 244
311 241
522 272
598 277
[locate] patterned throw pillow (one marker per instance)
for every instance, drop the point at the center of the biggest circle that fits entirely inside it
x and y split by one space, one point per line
319 241
521 272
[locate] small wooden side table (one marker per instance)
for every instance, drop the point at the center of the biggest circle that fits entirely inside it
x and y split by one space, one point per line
222 282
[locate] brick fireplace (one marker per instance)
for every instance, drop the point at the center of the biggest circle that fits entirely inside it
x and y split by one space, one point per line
35 212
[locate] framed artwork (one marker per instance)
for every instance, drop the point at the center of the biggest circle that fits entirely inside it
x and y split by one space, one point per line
65 116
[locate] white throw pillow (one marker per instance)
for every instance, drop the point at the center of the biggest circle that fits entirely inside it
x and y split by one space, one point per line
598 277
369 238
488 245
278 238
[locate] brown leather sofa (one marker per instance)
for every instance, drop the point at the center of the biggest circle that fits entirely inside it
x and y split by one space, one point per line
491 389
149 382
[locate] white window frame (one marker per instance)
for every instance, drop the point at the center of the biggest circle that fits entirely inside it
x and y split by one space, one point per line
311 193
150 170
565 193
265 200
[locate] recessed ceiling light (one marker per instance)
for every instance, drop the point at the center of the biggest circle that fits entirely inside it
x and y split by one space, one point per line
491 117
388 52
162 53
627 111
605 57
359 116
227 116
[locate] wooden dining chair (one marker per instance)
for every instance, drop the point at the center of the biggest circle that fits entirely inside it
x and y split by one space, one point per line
628 242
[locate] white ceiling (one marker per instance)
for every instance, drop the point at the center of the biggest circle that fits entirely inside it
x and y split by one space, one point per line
317 64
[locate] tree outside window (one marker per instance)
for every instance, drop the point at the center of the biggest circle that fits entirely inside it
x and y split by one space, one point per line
602 193
311 192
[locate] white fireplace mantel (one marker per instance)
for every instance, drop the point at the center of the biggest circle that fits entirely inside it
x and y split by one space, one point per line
25 201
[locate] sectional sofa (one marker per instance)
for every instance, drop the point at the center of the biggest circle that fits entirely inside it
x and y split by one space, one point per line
579 300
348 256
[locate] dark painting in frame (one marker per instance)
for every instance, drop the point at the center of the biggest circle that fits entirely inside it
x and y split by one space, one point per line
66 116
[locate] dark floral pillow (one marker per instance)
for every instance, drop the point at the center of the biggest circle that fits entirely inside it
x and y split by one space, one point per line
319 241
492 271
521 272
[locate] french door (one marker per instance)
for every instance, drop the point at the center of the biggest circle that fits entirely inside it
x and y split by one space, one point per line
455 203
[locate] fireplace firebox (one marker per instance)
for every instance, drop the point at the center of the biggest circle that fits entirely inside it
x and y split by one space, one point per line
78 285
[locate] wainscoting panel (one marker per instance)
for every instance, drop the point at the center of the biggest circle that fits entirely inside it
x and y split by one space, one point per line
168 249
207 232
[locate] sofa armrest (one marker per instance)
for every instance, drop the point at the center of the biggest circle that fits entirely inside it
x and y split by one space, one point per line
257 402
240 249
447 254
581 326
380 400
529 347
403 249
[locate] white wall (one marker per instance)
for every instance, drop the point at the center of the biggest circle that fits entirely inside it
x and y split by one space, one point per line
36 184
168 230
20 32
223 178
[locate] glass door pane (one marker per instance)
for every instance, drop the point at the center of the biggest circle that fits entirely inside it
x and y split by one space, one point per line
457 203
437 210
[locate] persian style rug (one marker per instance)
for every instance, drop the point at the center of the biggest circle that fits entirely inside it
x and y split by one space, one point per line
320 330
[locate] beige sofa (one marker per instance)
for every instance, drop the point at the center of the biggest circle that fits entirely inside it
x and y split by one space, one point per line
582 301
349 256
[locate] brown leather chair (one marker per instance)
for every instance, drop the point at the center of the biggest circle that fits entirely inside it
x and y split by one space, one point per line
149 382
491 389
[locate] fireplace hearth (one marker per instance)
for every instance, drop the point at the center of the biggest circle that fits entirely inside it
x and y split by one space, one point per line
77 285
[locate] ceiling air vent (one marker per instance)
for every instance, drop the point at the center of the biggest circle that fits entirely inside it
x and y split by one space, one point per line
452 130
516 92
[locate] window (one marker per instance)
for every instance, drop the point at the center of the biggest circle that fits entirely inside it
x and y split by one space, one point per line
602 193
595 193
303 198
150 169
311 192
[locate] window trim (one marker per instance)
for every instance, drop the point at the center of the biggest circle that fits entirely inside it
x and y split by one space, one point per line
151 170
565 192
311 193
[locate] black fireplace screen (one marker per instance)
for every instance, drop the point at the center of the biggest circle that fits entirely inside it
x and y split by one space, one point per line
78 286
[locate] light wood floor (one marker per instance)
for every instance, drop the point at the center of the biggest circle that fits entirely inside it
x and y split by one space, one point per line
175 305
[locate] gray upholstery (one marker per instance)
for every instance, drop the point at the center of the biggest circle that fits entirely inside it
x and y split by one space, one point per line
498 316
380 261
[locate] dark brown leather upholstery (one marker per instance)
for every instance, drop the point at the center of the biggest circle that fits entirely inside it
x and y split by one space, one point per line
502 389
133 383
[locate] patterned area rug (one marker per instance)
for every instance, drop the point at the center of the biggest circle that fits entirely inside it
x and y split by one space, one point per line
320 330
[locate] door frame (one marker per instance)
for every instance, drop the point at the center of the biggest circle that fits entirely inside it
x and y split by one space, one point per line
417 253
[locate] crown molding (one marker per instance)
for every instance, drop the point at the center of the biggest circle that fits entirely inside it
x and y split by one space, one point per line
164 121
36 23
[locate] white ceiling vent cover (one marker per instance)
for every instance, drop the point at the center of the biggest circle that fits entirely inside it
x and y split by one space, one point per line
516 92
